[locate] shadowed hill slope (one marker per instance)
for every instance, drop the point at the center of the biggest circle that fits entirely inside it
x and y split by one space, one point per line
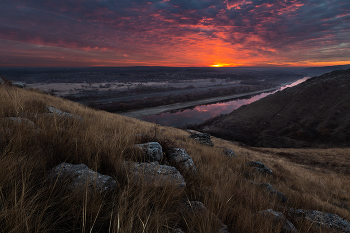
312 114
38 133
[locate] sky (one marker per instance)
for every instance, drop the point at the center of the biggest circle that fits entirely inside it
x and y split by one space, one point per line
192 33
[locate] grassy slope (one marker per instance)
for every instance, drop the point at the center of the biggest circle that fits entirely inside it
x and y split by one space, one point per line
30 203
312 114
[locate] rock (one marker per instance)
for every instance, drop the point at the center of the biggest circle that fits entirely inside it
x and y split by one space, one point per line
82 176
321 219
229 153
154 174
2 81
177 230
260 168
20 121
271 190
152 151
279 219
248 175
203 138
59 113
197 207
19 84
181 160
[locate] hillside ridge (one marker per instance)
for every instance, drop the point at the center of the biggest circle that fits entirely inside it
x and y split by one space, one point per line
311 114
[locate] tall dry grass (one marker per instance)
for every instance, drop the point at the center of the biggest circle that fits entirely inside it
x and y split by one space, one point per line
30 202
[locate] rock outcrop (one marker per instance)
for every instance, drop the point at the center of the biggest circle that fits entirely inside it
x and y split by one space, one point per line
202 138
279 219
267 187
19 121
151 151
321 219
260 168
181 160
59 113
81 176
229 153
198 208
154 174
178 230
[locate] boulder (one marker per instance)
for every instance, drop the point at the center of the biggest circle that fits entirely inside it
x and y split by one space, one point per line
321 219
181 160
270 190
152 151
178 230
229 153
81 176
260 168
59 113
248 175
19 121
18 84
198 208
279 219
203 138
154 174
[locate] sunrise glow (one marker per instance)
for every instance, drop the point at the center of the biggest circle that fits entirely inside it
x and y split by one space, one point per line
224 33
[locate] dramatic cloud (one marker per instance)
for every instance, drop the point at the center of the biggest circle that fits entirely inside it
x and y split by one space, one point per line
174 32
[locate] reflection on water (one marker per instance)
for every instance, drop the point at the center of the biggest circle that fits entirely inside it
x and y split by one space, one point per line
198 114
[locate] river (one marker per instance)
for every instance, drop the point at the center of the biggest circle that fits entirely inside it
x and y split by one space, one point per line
198 114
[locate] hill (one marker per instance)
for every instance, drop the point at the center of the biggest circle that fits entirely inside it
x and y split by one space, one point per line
312 114
39 132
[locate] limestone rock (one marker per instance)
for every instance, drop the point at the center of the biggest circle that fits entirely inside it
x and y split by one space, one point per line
203 138
82 176
260 167
59 113
271 190
152 151
229 153
327 220
181 160
154 174
279 218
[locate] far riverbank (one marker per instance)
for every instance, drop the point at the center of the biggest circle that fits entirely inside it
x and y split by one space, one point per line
170 107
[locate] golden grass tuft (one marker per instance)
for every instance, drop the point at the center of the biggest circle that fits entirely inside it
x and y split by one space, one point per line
30 202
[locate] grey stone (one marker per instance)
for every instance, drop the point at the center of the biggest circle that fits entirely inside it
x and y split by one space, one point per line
56 112
260 168
154 174
197 207
152 151
19 84
271 190
19 121
178 230
248 175
229 153
82 176
202 138
181 160
279 218
321 219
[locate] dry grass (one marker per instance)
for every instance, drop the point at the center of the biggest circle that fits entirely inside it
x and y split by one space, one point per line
31 203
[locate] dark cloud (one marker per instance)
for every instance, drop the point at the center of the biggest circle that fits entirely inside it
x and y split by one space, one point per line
272 29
